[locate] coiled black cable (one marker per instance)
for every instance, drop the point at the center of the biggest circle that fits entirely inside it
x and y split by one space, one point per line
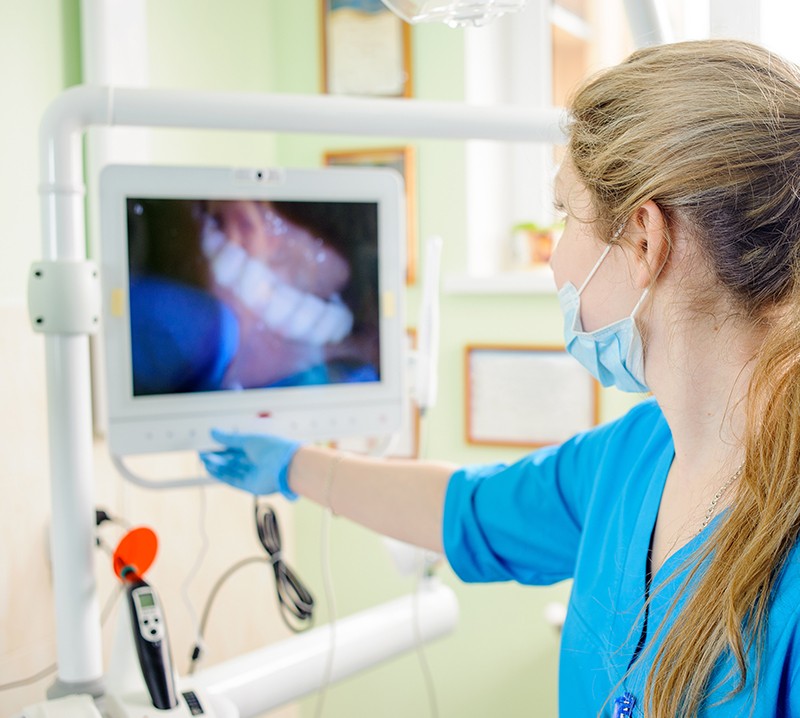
294 599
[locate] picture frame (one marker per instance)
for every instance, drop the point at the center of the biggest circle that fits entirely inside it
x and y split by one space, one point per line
403 160
366 49
526 395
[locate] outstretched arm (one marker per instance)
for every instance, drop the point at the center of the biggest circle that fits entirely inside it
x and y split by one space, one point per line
400 498
403 499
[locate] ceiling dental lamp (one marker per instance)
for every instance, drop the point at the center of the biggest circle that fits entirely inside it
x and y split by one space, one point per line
455 13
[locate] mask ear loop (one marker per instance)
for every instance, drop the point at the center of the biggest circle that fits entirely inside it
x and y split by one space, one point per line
639 303
614 237
595 268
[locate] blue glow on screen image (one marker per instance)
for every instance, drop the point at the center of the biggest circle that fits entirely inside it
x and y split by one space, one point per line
242 294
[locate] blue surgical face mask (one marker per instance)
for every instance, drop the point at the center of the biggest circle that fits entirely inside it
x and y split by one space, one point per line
613 354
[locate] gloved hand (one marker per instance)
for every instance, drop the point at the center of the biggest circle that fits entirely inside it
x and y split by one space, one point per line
258 463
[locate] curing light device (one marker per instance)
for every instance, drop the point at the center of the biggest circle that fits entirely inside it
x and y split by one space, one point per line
133 556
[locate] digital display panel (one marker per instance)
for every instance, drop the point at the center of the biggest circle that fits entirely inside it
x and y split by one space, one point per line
146 599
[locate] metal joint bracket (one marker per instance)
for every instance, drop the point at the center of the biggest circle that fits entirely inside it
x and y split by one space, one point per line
64 297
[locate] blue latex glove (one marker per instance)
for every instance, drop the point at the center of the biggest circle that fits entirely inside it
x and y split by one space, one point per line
258 463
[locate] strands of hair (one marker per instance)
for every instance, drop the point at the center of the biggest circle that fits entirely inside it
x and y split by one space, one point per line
708 130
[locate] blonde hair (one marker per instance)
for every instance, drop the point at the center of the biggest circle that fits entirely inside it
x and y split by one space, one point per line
710 131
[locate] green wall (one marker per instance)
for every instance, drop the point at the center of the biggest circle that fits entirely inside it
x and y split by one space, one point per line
501 661
502 658
212 46
39 57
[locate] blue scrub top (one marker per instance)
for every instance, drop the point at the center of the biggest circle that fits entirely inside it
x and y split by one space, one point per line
586 510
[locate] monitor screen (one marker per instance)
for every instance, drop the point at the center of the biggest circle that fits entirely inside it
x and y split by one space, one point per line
250 300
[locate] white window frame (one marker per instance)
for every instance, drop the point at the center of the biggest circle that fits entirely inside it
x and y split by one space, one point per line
510 62
507 62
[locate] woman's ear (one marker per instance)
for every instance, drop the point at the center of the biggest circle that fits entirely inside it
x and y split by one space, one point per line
647 231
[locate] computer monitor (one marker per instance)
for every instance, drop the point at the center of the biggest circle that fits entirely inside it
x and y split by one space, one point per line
253 300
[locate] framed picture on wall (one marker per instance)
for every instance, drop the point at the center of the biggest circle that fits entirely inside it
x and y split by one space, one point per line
403 160
366 49
526 395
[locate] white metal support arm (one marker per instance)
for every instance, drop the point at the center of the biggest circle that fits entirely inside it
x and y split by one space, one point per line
63 238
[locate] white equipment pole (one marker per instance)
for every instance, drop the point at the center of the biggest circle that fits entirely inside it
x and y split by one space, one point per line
259 681
63 223
69 402
648 21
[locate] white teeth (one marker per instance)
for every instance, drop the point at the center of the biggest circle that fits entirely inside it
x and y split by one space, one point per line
305 316
228 263
255 286
333 326
293 314
212 240
281 309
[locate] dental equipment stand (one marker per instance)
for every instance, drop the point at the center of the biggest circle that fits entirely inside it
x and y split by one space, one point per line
64 301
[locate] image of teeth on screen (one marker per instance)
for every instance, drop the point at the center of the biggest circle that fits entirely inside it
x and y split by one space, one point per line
250 300
242 294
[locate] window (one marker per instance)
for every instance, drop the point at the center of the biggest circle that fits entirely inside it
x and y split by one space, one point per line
534 59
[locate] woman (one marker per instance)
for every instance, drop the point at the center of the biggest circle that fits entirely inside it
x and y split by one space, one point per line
677 272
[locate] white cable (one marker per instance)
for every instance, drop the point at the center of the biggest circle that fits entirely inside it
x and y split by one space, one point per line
127 474
110 603
52 668
325 530
330 600
384 445
430 687
426 369
204 544
427 677
159 483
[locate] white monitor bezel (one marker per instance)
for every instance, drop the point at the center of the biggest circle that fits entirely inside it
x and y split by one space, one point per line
146 424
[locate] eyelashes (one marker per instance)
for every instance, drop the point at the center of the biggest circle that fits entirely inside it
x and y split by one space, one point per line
560 210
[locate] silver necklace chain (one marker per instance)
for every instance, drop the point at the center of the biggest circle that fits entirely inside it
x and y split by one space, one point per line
712 507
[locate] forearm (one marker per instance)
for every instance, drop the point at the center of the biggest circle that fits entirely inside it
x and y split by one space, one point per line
400 498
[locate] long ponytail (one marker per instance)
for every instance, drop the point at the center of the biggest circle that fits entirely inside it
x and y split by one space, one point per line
710 131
